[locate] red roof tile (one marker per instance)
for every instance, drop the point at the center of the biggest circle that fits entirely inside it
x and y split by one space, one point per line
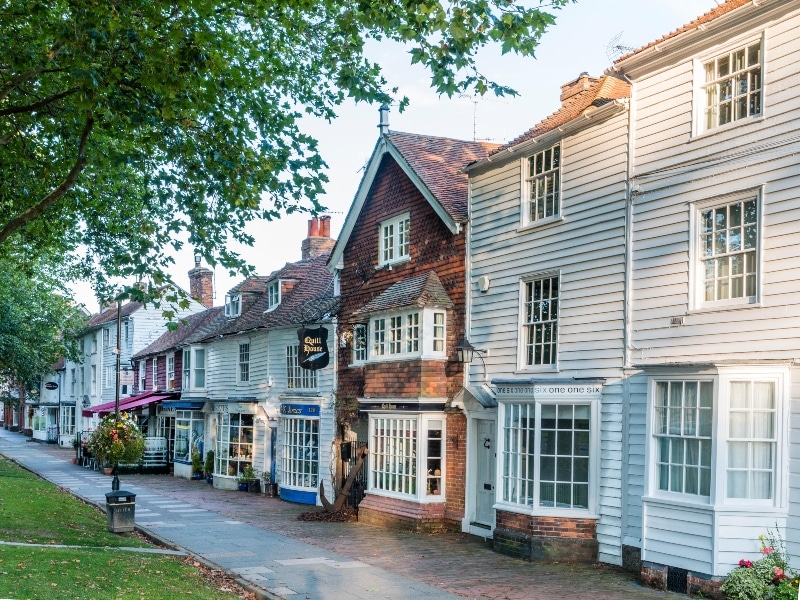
438 162
421 290
601 91
714 13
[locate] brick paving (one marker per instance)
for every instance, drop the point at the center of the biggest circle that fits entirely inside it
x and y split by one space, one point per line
458 563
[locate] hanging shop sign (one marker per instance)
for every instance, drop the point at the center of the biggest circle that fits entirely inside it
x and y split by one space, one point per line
51 385
313 354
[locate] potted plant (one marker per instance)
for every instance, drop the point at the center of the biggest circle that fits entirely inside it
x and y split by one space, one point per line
270 488
253 483
117 440
209 466
242 481
76 443
197 466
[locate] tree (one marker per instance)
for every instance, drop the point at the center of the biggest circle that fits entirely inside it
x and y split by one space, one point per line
125 125
38 323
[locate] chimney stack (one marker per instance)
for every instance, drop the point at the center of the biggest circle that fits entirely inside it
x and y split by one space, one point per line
383 123
201 283
571 88
319 238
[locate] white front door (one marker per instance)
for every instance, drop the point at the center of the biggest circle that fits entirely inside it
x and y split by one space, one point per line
484 476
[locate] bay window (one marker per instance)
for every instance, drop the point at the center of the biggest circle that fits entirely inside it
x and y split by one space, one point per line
194 368
189 428
547 453
234 444
407 334
407 456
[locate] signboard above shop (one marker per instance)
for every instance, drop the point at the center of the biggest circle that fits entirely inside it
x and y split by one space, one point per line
313 354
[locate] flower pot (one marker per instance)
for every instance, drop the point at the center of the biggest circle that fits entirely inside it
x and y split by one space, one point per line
254 486
271 489
197 476
243 486
108 471
210 479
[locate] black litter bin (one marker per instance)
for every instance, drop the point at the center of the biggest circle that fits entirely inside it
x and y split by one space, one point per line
120 508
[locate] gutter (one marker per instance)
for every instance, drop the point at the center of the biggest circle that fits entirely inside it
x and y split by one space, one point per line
586 118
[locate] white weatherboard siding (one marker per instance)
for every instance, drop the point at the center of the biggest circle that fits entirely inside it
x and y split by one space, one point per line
586 247
674 168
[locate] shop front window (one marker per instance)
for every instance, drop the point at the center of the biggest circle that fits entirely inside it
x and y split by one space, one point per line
189 428
234 444
407 456
300 458
67 420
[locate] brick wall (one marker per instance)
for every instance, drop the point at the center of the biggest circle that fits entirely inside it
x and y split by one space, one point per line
407 379
401 515
546 538
456 469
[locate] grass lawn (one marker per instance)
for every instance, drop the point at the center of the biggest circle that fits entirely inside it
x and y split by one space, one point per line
37 512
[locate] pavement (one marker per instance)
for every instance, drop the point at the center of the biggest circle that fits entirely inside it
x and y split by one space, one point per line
261 541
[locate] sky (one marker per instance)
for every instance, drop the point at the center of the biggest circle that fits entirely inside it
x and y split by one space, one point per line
578 42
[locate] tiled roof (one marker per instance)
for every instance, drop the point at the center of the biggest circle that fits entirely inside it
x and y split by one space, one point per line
714 13
199 324
600 91
254 283
313 280
59 365
438 161
110 314
422 290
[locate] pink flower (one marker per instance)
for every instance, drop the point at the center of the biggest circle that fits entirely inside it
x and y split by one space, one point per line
767 550
779 574
746 563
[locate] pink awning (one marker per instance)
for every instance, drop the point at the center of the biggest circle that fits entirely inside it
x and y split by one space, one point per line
126 403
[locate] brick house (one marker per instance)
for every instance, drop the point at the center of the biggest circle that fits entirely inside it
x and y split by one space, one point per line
400 264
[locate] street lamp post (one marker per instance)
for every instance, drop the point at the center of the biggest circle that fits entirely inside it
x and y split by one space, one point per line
115 481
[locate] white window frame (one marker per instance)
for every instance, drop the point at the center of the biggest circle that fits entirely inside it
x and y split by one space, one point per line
106 338
171 371
300 452
399 335
233 305
234 446
189 434
701 97
399 464
155 373
525 324
142 374
191 370
273 295
696 250
506 451
74 382
394 240
722 379
537 170
94 380
67 420
360 342
243 362
94 343
296 376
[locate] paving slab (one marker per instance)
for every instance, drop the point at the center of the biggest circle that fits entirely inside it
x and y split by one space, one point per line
261 540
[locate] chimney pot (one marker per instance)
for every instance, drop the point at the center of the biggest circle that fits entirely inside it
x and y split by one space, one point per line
313 227
325 226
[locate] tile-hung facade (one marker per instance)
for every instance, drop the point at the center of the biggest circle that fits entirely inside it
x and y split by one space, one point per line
713 330
400 266
544 398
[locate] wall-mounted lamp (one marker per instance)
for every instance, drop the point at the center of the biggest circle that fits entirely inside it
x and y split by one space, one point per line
466 352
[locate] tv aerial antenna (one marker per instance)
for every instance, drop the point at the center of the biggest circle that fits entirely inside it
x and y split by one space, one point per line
475 99
615 48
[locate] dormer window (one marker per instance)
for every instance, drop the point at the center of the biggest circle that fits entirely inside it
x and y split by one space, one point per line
395 239
233 305
274 294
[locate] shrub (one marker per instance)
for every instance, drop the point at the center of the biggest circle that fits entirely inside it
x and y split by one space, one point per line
768 578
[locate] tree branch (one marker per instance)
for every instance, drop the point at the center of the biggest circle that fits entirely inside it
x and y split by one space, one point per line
34 106
69 181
